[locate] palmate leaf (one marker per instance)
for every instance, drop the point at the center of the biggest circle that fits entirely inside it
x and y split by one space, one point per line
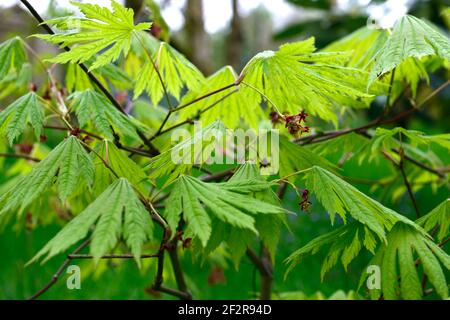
439 216
26 109
94 109
198 203
365 44
246 178
231 110
176 72
122 165
103 32
410 38
12 57
16 83
116 213
68 165
371 221
405 244
345 244
195 149
338 196
388 139
322 85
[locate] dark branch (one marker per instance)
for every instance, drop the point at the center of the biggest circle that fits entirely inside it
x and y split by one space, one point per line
59 271
20 156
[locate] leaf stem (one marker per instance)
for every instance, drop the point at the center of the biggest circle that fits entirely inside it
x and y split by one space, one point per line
263 95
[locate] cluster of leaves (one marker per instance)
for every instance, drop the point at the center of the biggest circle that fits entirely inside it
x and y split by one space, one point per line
113 196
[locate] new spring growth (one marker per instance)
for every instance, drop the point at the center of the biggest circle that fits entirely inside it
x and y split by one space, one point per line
294 123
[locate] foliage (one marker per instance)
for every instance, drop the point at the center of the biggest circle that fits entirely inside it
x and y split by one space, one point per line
438 217
93 108
119 175
68 162
411 37
322 84
226 202
404 243
26 109
101 30
174 69
117 212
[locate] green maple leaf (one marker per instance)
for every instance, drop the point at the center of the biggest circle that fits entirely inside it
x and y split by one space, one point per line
193 150
338 196
344 244
68 165
198 203
176 72
95 109
102 34
12 57
122 165
268 225
231 110
405 244
116 212
410 38
296 78
26 109
439 216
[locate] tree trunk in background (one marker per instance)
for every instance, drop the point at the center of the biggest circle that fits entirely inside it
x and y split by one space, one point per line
136 5
198 48
235 39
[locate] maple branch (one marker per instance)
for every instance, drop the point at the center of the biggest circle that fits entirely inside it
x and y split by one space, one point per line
161 130
190 120
265 268
91 76
158 281
18 155
178 271
401 166
112 256
59 128
207 95
59 271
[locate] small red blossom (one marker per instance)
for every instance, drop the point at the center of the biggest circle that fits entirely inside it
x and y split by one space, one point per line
25 148
305 204
295 123
75 132
156 30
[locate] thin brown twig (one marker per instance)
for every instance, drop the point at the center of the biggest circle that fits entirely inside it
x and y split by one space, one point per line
161 130
190 120
264 266
59 271
112 256
20 156
401 167
91 76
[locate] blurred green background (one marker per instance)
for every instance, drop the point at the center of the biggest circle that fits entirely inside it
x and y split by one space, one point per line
246 33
